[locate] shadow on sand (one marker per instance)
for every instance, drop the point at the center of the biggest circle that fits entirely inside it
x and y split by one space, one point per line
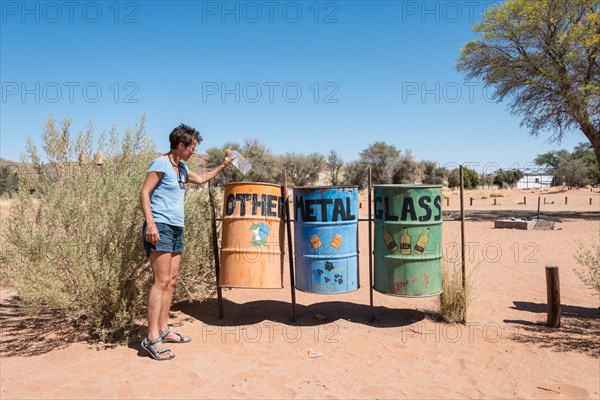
255 312
579 331
25 334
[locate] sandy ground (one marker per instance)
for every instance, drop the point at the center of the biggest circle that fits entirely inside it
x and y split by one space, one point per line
333 350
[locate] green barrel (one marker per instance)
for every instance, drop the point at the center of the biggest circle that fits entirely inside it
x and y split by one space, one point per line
408 240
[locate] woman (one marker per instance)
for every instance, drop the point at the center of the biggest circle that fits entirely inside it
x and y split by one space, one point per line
162 234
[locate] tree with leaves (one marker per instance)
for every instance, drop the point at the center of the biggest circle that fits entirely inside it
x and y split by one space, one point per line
432 174
381 157
334 167
355 173
578 169
302 169
585 153
470 177
406 169
543 55
9 182
574 172
551 160
266 166
508 177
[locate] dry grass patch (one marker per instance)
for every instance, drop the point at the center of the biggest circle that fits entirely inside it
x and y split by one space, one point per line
454 300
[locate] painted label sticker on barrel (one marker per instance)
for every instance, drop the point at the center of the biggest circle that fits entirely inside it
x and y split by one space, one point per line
329 275
405 243
315 241
422 242
337 241
389 241
261 232
267 205
331 210
425 209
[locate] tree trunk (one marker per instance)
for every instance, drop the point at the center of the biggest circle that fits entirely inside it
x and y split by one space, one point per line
593 136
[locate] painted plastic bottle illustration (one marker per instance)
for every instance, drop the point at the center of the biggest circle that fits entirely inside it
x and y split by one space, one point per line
422 242
405 243
240 162
389 241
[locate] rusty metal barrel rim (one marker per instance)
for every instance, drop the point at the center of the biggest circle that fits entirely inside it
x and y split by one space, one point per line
254 183
328 187
408 185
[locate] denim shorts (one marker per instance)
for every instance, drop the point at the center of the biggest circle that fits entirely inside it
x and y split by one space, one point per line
170 239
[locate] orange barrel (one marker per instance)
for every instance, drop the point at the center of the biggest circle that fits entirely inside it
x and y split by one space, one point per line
252 245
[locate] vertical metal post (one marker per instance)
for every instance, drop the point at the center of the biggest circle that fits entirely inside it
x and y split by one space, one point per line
215 241
369 184
288 225
462 232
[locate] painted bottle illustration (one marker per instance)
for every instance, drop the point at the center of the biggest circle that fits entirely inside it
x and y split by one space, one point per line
405 243
422 242
389 241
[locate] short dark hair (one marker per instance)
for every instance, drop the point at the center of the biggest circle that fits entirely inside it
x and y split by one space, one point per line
184 134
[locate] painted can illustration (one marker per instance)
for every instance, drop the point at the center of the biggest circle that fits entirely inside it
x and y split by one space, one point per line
410 215
325 239
252 245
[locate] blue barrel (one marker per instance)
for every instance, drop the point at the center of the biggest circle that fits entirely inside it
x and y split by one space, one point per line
325 238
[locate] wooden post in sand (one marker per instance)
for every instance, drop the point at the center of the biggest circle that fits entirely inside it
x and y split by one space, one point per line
566 200
524 200
370 248
539 201
215 241
553 296
288 228
462 232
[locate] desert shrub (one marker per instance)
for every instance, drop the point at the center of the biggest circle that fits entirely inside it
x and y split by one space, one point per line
508 178
454 300
493 195
302 170
9 181
470 177
589 259
197 273
266 166
355 173
74 244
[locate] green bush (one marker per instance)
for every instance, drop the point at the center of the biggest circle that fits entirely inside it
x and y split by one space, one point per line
470 178
9 181
74 234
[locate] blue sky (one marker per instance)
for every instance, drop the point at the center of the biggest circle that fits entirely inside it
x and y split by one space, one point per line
302 76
